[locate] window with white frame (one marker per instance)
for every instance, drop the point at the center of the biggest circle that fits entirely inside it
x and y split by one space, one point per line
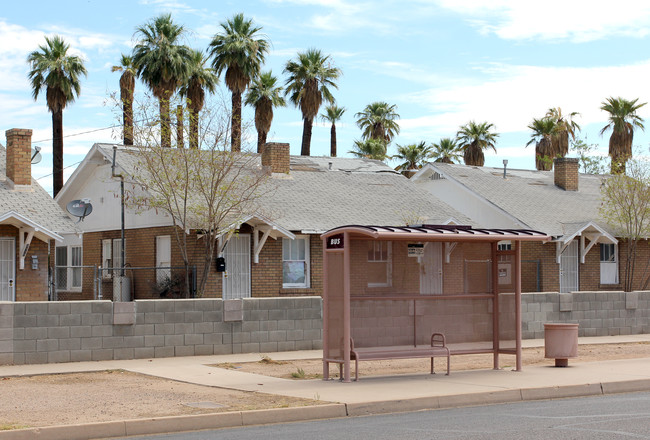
68 262
380 256
295 262
608 263
111 256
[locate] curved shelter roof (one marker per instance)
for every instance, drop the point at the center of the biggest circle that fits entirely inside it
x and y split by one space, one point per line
439 233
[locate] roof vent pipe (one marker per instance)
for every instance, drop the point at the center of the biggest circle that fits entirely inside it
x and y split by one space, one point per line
505 165
329 166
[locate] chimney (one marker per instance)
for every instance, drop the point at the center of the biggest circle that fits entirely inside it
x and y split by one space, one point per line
19 157
275 155
566 173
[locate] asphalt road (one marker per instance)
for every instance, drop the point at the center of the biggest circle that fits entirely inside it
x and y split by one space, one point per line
623 416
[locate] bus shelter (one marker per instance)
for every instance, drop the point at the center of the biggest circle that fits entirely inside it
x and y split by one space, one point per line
395 286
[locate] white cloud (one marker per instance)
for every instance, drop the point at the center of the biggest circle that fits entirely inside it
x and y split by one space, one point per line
513 94
575 20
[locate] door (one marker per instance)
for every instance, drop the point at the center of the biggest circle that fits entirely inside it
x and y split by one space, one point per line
7 269
431 269
569 268
163 258
237 277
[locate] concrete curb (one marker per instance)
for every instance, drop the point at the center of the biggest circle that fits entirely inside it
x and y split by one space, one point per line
161 425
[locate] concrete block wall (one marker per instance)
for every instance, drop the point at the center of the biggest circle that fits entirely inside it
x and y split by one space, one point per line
597 313
48 332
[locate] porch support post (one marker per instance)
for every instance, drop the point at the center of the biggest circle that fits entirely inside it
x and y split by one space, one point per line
518 303
346 307
495 305
325 336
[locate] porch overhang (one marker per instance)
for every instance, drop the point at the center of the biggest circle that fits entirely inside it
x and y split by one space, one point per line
263 228
27 230
590 234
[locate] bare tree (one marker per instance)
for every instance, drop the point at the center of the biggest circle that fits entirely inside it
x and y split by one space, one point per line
205 191
626 207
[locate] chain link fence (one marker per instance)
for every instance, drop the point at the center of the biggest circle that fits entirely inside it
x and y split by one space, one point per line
73 283
124 284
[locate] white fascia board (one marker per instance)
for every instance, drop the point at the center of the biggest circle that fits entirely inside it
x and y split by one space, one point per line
81 168
38 229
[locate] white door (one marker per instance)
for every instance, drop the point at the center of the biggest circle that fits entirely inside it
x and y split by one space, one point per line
431 269
569 268
163 257
7 269
237 277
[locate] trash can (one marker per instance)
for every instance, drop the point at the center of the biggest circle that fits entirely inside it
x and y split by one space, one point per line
561 342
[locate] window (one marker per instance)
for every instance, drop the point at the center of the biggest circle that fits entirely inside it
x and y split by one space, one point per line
379 263
607 253
608 264
295 262
111 256
505 245
68 261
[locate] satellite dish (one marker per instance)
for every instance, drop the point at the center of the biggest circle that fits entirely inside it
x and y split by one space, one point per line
80 208
36 155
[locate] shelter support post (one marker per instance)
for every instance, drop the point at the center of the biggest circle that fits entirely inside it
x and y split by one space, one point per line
518 303
346 308
495 304
326 365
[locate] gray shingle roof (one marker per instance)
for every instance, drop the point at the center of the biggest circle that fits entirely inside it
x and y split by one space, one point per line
315 197
36 205
532 197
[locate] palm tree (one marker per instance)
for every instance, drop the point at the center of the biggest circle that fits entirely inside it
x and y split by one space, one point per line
370 149
127 87
473 138
378 121
240 51
333 114
622 121
564 127
446 151
264 94
543 131
413 155
310 77
162 64
201 78
52 69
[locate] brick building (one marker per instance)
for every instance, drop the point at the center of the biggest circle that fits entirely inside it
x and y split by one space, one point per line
30 223
275 254
585 253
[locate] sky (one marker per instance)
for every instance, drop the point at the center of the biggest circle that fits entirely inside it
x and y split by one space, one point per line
441 62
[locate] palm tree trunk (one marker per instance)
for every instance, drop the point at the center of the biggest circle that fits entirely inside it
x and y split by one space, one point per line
165 133
180 142
57 151
333 141
306 137
194 128
127 107
235 140
261 140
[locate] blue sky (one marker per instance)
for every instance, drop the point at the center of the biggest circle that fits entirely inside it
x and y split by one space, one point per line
442 62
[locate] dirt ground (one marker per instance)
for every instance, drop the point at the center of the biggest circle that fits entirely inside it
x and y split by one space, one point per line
116 395
313 369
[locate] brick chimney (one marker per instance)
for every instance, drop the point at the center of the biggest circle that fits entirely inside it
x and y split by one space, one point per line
19 157
275 155
566 173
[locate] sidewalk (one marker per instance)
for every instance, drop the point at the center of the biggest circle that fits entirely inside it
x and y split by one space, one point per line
371 395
